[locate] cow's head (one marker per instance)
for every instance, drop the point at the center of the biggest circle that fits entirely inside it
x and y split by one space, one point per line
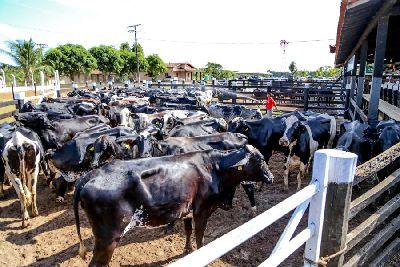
291 124
248 164
103 150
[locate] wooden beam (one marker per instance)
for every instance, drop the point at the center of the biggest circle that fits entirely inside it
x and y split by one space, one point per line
369 168
364 200
373 245
386 7
387 253
7 103
361 77
381 37
353 75
359 113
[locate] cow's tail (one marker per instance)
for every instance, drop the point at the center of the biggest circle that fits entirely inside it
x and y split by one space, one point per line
78 188
332 132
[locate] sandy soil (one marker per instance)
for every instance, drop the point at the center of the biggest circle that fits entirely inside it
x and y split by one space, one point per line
51 239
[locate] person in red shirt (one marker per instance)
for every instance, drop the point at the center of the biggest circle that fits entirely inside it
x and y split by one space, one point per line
270 104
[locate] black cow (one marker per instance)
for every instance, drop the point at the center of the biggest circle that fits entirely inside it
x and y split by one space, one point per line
77 155
198 128
158 191
264 134
56 133
229 112
357 138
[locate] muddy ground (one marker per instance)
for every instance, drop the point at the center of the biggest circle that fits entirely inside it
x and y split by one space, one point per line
51 239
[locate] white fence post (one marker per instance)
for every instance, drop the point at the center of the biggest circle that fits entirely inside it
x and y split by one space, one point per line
341 175
324 163
3 84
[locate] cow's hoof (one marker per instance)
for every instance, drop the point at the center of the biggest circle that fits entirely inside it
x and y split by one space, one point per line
35 213
188 250
253 211
285 190
7 182
60 199
25 223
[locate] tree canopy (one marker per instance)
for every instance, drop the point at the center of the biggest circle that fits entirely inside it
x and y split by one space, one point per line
70 58
293 68
25 56
214 70
156 66
108 58
129 63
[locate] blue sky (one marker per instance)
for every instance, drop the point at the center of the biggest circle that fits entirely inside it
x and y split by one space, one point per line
240 35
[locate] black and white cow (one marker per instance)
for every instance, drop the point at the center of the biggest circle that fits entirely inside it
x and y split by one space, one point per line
22 155
303 138
158 191
229 112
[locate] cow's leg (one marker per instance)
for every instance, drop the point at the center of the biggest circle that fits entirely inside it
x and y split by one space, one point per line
286 177
188 231
300 175
200 224
33 183
17 184
249 189
2 195
103 250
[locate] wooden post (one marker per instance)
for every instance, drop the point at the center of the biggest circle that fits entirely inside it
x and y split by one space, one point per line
232 88
353 75
381 36
347 90
306 96
361 76
324 160
338 200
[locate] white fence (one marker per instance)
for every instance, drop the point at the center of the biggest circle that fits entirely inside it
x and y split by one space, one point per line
330 166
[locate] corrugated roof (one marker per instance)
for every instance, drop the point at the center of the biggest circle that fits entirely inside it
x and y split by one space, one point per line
354 18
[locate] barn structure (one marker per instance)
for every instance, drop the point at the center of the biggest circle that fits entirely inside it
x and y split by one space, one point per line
368 35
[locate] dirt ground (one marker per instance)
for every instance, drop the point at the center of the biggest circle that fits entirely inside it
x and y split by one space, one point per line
51 240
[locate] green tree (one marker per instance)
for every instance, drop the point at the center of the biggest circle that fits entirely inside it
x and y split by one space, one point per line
293 68
70 59
227 74
139 48
124 46
129 63
302 73
108 58
25 56
156 66
214 70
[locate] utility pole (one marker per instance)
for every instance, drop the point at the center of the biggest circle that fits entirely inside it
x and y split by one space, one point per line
136 50
41 46
283 44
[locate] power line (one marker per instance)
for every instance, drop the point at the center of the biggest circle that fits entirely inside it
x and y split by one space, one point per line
180 41
234 43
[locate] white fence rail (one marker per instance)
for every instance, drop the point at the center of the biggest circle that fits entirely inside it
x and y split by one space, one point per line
314 196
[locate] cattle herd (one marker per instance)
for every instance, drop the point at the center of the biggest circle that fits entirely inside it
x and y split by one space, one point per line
148 157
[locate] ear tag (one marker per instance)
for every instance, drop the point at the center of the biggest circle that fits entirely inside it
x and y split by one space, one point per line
91 148
239 168
157 123
127 146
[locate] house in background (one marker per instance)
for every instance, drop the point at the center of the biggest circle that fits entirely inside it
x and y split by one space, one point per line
184 71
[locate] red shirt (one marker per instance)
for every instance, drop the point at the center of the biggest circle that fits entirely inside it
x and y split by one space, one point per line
270 103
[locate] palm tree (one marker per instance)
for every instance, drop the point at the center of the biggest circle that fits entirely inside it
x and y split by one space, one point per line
25 55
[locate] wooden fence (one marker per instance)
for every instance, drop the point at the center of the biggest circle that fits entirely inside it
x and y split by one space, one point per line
328 96
331 167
